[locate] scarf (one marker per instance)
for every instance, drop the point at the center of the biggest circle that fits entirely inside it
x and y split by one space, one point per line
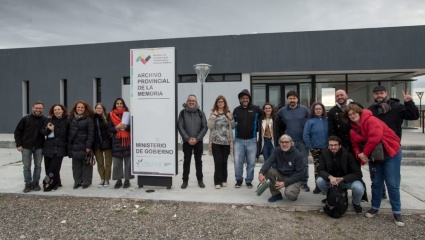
116 116
76 116
383 106
189 109
346 104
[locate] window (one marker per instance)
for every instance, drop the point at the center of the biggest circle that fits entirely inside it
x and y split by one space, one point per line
64 92
212 78
25 97
97 90
126 80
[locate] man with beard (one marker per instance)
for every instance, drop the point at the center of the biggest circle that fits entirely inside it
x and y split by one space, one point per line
293 117
336 126
29 142
192 126
245 147
392 112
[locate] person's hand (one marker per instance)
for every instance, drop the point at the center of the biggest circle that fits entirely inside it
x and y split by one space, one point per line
215 112
261 178
363 157
279 185
19 149
192 141
51 126
406 95
339 179
333 181
229 115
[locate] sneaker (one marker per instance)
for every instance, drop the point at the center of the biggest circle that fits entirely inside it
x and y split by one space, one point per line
184 185
384 195
317 190
224 184
238 184
249 185
358 208
27 188
118 184
275 198
218 186
324 200
102 183
126 183
201 184
371 213
305 188
397 220
36 187
106 183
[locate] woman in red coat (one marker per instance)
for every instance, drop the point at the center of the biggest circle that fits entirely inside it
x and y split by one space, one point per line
370 131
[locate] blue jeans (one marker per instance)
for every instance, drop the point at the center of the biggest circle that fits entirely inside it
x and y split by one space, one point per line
267 148
26 160
245 150
300 145
387 171
356 186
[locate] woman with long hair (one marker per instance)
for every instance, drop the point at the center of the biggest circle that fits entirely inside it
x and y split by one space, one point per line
55 147
80 142
265 143
220 123
369 131
315 136
121 149
102 144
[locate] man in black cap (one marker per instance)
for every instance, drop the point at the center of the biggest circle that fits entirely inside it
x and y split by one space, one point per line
392 112
245 147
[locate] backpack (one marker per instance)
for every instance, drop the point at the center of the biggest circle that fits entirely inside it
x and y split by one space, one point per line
336 202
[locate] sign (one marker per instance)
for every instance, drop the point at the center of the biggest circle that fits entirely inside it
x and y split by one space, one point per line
153 98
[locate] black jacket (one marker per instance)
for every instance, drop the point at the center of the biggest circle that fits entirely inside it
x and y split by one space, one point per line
339 128
59 143
117 149
80 137
394 118
288 163
102 139
27 132
350 167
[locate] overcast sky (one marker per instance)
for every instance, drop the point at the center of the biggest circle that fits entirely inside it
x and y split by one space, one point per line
34 23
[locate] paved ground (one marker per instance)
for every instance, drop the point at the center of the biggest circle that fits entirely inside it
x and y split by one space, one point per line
412 190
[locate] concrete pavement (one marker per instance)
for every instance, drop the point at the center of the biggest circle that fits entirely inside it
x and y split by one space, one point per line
412 190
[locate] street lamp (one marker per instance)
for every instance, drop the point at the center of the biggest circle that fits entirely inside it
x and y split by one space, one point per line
421 121
202 70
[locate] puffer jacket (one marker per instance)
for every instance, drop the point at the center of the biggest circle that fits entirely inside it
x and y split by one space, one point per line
80 137
117 149
59 143
102 140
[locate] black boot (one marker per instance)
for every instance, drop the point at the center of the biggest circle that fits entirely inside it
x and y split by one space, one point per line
118 184
317 190
184 185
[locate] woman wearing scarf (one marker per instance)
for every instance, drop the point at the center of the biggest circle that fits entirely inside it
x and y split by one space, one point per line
121 151
102 144
55 147
80 142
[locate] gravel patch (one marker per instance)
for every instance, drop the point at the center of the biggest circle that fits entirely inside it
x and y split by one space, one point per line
39 217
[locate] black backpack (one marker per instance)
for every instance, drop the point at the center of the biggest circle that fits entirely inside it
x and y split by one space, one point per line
336 202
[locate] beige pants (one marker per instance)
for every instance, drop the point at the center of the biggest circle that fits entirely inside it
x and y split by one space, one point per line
291 192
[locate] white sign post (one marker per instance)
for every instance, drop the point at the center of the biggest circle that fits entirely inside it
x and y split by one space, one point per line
153 98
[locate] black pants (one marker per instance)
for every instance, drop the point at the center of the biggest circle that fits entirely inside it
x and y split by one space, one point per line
220 155
53 166
197 150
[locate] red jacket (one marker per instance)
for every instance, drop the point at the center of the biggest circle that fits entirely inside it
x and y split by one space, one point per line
372 131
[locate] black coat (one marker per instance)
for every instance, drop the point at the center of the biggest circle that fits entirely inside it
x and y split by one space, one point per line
102 139
27 132
80 137
350 167
117 149
337 127
58 144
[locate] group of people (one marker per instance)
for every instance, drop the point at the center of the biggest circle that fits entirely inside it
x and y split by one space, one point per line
79 134
339 142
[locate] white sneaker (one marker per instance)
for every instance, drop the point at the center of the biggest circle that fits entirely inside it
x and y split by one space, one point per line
224 184
101 184
106 183
218 186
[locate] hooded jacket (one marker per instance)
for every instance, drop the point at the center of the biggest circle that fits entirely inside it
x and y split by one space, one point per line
246 119
192 123
372 131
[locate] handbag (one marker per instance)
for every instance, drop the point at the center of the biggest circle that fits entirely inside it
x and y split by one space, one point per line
377 153
90 159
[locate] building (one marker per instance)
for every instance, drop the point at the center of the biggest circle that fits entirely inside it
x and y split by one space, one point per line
313 63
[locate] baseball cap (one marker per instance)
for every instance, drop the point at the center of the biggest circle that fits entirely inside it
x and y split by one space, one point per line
379 88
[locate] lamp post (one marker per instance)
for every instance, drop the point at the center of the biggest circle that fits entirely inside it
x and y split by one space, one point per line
202 70
421 121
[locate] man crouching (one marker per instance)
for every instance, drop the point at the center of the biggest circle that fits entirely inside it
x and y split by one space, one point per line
288 173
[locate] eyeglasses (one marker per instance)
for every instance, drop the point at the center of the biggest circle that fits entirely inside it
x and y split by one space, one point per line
284 142
352 114
333 145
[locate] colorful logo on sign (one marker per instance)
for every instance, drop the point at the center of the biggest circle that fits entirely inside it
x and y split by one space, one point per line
143 59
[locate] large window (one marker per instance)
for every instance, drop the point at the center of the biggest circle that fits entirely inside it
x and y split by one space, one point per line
212 78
